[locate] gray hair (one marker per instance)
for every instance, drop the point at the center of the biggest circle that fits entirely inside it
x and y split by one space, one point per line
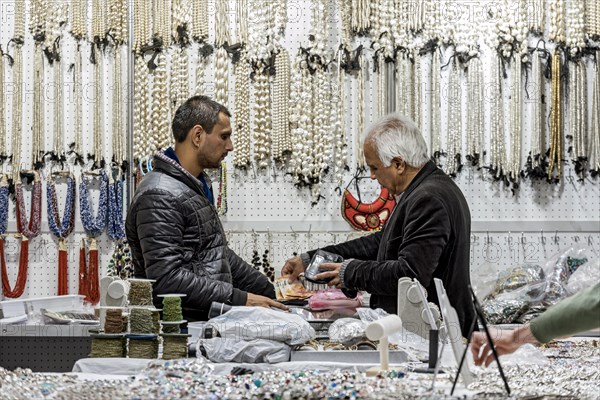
395 135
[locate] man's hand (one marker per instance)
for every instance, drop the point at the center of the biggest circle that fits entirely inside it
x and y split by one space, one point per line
255 300
333 273
506 342
293 268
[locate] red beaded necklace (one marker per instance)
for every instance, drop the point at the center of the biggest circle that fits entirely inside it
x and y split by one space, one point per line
367 216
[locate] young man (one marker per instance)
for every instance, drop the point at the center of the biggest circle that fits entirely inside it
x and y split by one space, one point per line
173 227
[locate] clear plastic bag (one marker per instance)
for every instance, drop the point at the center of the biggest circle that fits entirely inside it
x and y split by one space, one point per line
332 298
586 276
221 350
250 323
559 270
346 330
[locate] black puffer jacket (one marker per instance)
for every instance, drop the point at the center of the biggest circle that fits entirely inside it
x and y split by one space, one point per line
177 239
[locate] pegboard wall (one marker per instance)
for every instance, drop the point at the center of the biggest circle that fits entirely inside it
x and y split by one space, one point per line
265 210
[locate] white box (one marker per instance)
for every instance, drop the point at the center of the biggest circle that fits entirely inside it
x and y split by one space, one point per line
13 308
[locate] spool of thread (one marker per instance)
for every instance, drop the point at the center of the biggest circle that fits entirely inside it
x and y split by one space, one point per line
141 320
143 347
172 309
140 292
171 328
113 322
155 321
174 346
104 346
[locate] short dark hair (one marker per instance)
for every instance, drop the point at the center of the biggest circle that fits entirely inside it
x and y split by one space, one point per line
197 110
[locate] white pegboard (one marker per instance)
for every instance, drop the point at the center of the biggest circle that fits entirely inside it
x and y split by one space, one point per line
269 201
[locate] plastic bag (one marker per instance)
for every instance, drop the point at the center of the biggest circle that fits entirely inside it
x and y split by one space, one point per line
332 298
559 270
586 276
320 257
220 350
251 323
515 292
345 330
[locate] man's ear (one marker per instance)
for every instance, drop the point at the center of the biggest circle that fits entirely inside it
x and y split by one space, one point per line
197 134
399 164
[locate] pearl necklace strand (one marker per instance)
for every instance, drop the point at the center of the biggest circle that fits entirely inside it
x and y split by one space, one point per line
361 11
38 19
259 49
404 98
99 19
556 120
78 19
515 120
592 13
3 153
454 120
436 106
475 120
142 29
537 153
17 104
160 107
400 33
97 112
140 117
241 20
37 146
417 88
281 94
497 146
77 85
59 146
117 20
595 121
338 130
557 21
359 156
511 32
161 12
241 116
222 58
536 10
575 26
577 114
298 119
118 133
345 10
262 118
416 15
178 77
200 20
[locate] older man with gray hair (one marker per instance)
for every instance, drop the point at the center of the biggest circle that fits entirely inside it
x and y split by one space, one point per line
427 235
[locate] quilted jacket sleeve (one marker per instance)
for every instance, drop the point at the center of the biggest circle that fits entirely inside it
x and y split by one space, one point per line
247 278
426 232
159 222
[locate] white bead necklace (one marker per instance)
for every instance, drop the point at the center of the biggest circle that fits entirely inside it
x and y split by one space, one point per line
161 12
577 115
537 152
361 11
436 106
141 128
281 94
117 20
99 20
222 37
594 162
344 8
98 112
77 87
453 146
404 85
161 139
3 153
37 147
262 118
200 20
359 156
338 130
557 21
497 145
536 10
475 120
58 147
575 26
17 110
78 17
118 133
417 88
592 13
241 116
515 121
297 117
